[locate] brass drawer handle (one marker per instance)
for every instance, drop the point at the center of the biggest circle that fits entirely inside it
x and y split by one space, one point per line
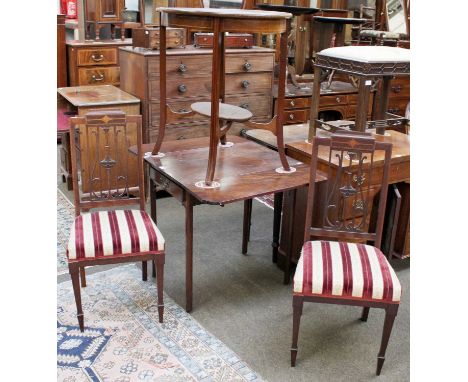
182 88
247 65
183 110
338 99
245 84
180 138
292 103
244 106
291 116
395 110
396 89
182 67
302 29
96 58
95 78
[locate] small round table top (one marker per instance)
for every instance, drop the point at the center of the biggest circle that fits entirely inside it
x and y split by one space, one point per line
226 13
293 9
339 20
226 111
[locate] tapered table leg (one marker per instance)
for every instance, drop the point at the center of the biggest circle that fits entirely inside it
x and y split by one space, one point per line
154 213
278 208
246 225
188 252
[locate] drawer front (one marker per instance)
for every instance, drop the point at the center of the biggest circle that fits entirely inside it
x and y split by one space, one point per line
99 76
295 116
330 100
400 87
182 87
259 105
397 106
178 106
296 103
100 56
182 66
247 63
248 83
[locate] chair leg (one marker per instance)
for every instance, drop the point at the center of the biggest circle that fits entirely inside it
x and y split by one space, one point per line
153 266
298 303
390 314
144 270
246 224
75 277
83 277
365 313
160 285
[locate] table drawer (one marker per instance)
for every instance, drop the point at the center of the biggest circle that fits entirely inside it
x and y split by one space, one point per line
257 104
100 56
295 116
167 185
182 66
248 83
182 87
296 103
247 63
99 76
329 100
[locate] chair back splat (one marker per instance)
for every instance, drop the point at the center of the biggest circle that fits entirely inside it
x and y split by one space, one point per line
345 216
102 163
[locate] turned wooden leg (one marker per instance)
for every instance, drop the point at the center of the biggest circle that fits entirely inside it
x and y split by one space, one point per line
112 29
97 29
298 302
75 277
83 277
160 285
246 225
365 313
390 314
122 33
144 270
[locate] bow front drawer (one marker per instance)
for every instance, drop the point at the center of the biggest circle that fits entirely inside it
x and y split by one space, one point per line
181 66
99 76
100 56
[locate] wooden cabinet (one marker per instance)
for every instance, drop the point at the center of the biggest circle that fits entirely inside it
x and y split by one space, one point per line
100 12
399 95
94 63
249 80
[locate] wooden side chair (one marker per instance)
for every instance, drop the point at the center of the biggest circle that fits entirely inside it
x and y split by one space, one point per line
103 166
347 271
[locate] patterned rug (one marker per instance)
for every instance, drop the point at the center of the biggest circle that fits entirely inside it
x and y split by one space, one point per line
65 218
123 340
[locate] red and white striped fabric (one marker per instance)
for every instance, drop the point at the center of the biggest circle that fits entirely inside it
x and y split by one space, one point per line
113 233
345 270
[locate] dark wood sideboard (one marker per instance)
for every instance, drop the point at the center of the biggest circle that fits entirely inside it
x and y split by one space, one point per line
249 81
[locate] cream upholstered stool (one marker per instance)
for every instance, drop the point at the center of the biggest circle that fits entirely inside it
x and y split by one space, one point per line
335 266
368 64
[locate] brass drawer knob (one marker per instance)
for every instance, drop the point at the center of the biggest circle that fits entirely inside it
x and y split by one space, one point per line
338 99
97 58
247 65
96 78
292 103
182 88
291 116
245 84
182 67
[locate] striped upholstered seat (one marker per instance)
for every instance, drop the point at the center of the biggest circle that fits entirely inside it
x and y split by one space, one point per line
113 233
345 270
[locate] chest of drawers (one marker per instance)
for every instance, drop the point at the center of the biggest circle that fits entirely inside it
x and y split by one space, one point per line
249 80
94 62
